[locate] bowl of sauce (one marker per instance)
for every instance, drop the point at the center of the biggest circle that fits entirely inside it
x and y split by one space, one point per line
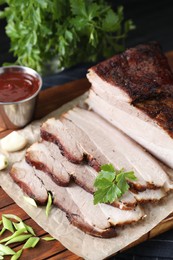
19 88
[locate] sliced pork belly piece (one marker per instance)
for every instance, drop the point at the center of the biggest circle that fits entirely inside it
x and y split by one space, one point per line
120 149
26 178
135 124
139 84
39 156
47 157
114 216
54 131
149 195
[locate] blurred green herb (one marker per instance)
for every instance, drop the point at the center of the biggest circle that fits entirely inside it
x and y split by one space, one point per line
71 30
111 184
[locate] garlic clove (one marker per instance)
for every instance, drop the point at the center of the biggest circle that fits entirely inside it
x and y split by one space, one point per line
13 142
3 161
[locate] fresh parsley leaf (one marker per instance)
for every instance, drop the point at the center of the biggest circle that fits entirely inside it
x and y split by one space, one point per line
102 183
130 176
108 167
111 184
78 7
122 183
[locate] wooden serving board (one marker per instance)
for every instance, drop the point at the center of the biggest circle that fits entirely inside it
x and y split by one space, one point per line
49 100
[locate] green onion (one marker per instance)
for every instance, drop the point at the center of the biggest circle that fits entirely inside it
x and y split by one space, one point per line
30 230
31 242
6 250
15 234
19 238
19 225
17 255
7 224
48 238
12 216
2 231
49 204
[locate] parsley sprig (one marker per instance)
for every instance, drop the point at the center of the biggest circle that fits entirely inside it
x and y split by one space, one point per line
111 184
74 31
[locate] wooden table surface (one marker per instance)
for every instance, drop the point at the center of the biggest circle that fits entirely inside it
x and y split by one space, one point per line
49 100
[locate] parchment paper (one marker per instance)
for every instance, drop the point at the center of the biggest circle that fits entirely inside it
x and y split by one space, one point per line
57 225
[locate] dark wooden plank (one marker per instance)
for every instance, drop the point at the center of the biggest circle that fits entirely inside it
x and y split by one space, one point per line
43 250
5 200
14 209
65 255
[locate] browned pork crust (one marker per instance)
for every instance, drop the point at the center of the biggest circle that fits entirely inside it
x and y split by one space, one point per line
144 74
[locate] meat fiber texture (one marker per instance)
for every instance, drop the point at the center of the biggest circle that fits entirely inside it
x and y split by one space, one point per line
58 225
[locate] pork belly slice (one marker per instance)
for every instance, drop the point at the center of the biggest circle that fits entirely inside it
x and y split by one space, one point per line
55 131
150 195
135 124
139 83
120 149
47 157
98 220
114 216
26 178
39 155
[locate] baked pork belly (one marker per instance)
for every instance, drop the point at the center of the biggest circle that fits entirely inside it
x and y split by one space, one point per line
149 195
97 220
137 92
47 157
55 131
27 180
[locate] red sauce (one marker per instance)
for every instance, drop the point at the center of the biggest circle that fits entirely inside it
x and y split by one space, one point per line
16 86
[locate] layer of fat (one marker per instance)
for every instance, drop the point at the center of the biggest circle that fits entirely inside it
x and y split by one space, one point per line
118 92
